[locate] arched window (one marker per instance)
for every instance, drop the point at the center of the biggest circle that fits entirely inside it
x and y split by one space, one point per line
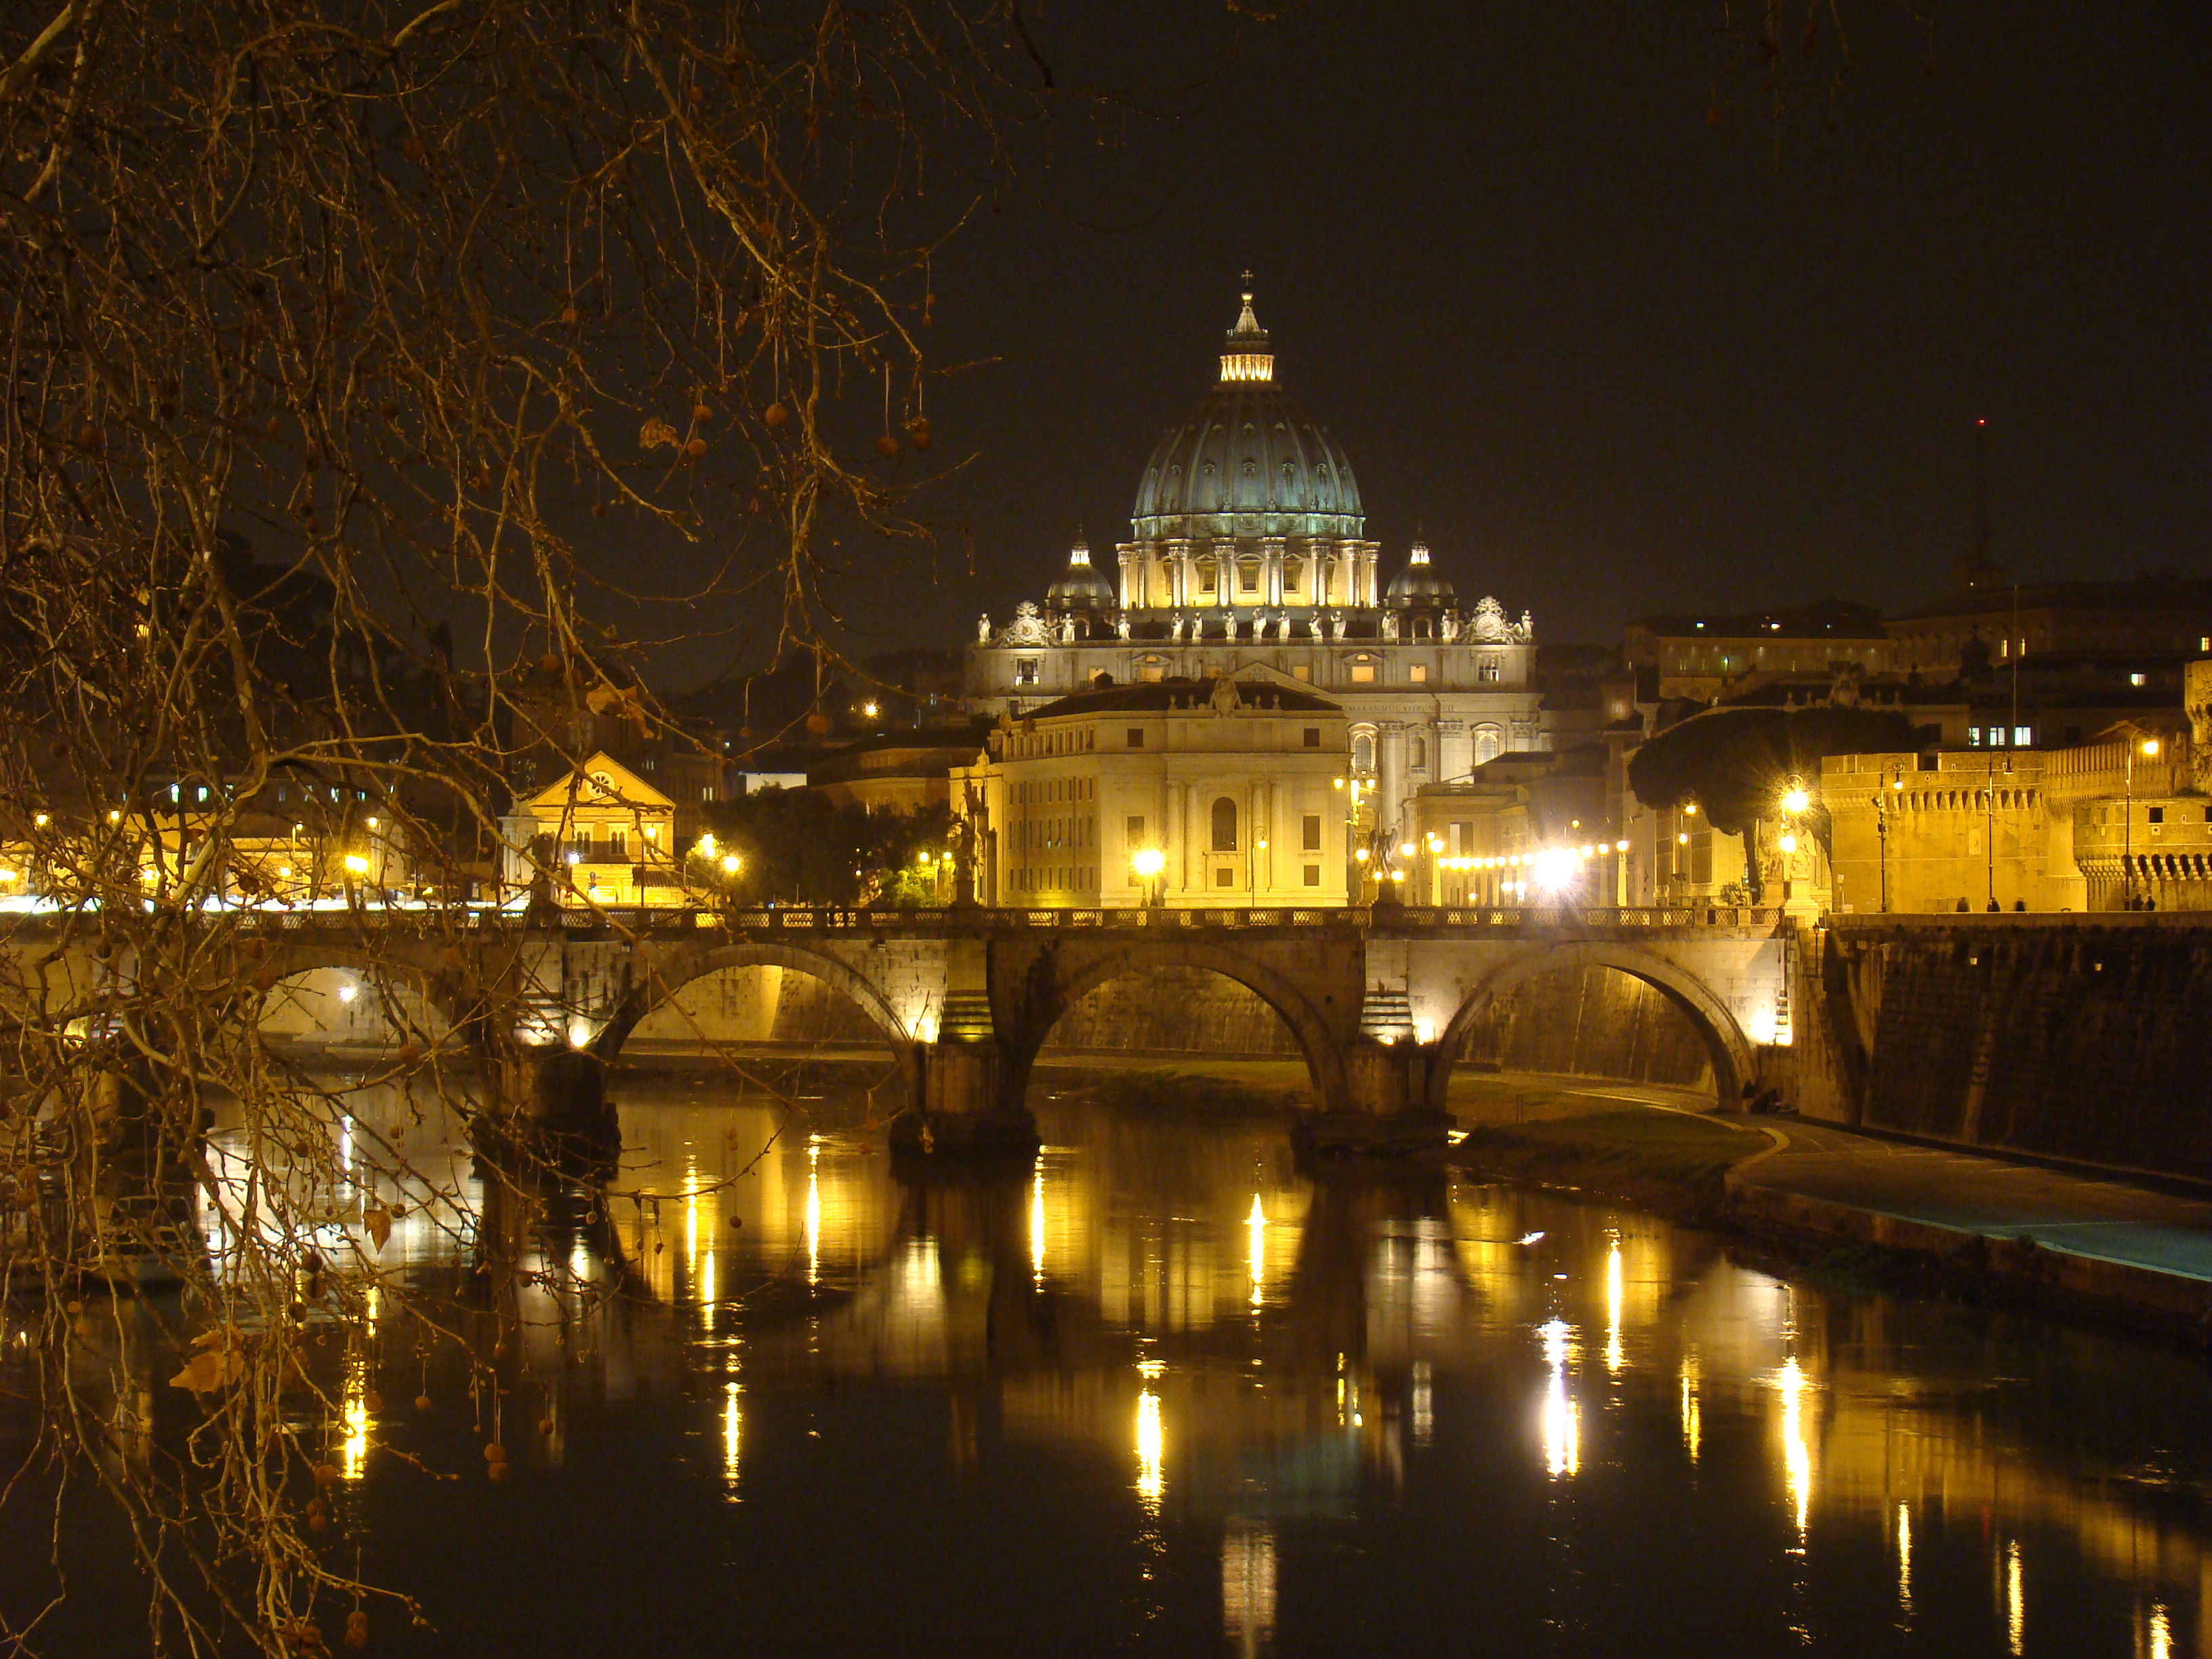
1225 825
1363 753
1417 750
1485 744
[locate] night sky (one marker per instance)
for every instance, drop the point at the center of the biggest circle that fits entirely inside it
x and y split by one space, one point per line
1614 342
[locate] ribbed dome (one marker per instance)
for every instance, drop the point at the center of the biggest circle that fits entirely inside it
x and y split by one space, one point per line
1249 461
1419 582
1080 587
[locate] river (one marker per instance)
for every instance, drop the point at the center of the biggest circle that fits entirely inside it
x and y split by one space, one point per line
1163 1395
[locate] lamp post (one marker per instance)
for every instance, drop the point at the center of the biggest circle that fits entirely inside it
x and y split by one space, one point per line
1885 787
2149 748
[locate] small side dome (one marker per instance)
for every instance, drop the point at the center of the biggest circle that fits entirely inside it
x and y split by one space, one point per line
1079 586
1419 583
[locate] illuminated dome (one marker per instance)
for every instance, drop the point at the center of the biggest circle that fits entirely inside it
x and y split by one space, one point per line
1249 461
1080 587
1419 582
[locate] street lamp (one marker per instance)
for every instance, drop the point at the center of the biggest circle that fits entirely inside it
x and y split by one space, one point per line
1151 865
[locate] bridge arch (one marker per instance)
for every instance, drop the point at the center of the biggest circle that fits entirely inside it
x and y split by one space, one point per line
291 960
1060 980
1733 1059
660 985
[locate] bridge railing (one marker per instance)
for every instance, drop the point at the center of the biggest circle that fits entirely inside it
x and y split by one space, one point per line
818 919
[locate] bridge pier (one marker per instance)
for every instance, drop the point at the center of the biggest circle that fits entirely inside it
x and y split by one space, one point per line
963 1112
1388 1111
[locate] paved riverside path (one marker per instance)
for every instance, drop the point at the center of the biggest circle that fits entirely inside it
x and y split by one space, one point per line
2097 1219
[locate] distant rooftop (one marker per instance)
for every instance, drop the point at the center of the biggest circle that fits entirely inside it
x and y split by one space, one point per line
1839 619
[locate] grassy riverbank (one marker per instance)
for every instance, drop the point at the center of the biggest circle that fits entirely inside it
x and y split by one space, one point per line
1666 1161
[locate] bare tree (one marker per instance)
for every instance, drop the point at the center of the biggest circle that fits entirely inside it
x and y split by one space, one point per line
338 336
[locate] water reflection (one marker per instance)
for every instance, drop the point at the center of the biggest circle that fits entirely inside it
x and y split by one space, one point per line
1208 1401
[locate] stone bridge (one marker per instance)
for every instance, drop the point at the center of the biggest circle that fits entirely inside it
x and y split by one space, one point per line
1378 999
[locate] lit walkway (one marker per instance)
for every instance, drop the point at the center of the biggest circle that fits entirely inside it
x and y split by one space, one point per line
2080 1215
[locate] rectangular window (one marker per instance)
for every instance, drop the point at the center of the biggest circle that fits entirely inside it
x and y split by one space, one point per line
1302 672
618 846
1225 876
2023 737
1136 736
1487 669
2156 814
1150 672
1135 826
707 791
1313 875
1311 842
1973 736
2138 679
1248 578
1362 673
1313 737
1418 673
1026 671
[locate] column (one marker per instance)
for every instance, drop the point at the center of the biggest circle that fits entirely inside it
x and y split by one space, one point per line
1271 581
1178 573
1177 823
1224 573
1454 750
1125 551
1389 774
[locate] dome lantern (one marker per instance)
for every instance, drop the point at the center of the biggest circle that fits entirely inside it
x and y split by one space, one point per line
1244 354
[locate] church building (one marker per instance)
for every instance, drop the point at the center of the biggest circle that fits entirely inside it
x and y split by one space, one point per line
1248 560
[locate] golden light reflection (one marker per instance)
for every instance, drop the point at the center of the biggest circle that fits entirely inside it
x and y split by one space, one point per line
1256 1253
1425 1415
1152 1474
1036 1223
2015 1600
1905 1559
1692 1410
1563 1435
1797 1459
733 1422
2158 1634
1248 1590
813 1216
1612 1280
353 1453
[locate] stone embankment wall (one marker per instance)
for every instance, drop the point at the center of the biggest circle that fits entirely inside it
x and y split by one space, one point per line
2089 1039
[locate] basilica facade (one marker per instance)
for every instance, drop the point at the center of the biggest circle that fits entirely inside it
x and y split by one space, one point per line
1248 560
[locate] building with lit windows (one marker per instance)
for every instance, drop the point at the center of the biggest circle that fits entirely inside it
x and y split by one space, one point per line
1206 793
1249 559
599 834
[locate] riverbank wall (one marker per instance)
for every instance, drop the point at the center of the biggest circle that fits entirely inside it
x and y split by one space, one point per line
2084 1039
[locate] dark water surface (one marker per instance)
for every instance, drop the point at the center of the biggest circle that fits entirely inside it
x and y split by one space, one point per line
1163 1395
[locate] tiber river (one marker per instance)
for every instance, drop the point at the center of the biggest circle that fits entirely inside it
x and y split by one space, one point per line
1162 1395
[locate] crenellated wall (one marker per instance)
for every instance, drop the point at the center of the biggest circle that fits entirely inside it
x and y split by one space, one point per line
2088 1039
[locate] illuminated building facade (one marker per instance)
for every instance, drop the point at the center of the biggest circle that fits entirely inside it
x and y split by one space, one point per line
601 833
1191 793
1248 558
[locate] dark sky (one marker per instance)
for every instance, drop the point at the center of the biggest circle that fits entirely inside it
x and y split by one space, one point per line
1613 355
